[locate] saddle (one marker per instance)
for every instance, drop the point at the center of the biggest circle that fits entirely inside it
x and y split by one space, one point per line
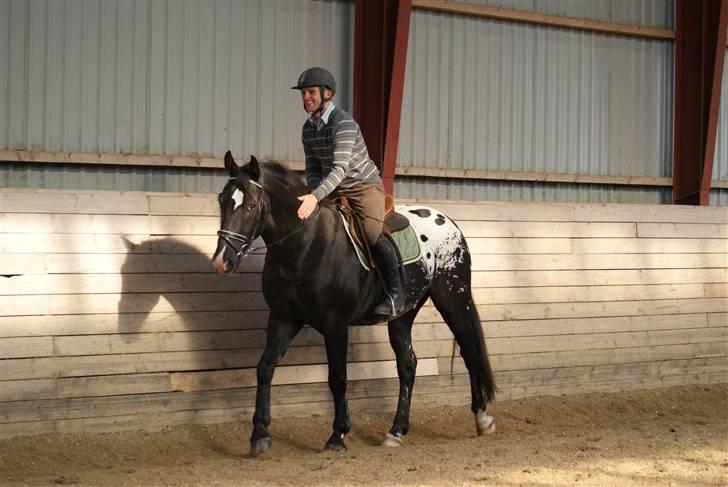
396 227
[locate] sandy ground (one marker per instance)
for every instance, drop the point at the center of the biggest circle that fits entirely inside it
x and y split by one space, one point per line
671 436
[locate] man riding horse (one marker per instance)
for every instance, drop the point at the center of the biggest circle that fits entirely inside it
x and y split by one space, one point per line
338 164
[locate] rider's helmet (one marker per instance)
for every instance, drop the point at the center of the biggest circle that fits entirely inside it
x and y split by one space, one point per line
317 77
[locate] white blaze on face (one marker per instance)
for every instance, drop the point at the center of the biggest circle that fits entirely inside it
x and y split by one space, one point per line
238 197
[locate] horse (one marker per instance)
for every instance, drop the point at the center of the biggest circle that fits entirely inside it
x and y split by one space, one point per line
312 276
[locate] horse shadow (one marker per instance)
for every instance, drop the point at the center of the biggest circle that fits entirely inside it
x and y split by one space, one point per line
173 303
169 285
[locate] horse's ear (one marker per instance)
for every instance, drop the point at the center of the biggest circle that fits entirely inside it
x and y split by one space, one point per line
230 164
253 168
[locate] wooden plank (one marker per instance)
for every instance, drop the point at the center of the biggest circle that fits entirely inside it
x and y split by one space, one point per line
117 263
74 201
499 13
543 177
569 212
717 319
571 326
157 342
26 347
29 243
300 374
95 324
596 293
717 290
189 205
27 390
682 230
597 261
64 304
648 246
129 363
537 311
217 340
206 205
113 385
606 277
129 283
504 245
518 229
45 223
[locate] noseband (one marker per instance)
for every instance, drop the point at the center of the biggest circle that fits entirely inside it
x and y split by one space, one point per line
245 240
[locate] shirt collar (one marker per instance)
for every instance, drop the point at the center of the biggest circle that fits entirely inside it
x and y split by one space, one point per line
319 123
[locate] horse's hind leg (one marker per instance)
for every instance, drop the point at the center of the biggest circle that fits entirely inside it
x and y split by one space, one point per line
454 301
400 337
279 335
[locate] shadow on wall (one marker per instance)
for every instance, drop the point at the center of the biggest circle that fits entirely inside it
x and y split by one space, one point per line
173 300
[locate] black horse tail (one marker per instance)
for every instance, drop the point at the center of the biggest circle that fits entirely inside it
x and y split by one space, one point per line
485 373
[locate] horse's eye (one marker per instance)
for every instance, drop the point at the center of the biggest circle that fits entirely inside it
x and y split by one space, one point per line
251 206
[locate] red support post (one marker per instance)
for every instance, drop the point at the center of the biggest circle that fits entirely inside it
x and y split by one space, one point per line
700 43
380 54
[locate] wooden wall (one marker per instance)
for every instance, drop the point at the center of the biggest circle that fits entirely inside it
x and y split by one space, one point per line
114 319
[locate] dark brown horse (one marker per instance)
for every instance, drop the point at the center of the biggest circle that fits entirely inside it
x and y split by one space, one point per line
312 276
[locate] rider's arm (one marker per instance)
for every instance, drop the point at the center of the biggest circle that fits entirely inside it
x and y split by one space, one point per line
344 139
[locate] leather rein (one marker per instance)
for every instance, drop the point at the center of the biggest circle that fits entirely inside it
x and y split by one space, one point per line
245 240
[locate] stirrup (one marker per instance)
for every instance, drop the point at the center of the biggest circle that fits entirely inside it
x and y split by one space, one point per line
388 301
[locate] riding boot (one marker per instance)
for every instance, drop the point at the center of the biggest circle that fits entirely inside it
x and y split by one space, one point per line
388 263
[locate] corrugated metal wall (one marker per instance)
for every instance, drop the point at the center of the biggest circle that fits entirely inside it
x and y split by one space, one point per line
187 77
650 13
197 78
488 94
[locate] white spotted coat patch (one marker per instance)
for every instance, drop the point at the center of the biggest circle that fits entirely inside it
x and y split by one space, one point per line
438 236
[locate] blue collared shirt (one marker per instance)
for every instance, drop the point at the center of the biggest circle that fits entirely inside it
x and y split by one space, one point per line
319 123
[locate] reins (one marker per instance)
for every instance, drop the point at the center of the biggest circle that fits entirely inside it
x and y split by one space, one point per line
245 248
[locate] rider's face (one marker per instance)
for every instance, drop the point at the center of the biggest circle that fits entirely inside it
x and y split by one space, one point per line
311 97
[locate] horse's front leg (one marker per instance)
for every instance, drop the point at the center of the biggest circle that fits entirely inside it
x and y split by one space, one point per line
336 344
280 334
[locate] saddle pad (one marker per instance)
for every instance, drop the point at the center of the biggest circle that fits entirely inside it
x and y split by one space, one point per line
408 244
406 241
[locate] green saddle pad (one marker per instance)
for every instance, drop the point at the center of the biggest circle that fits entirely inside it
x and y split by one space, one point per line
408 245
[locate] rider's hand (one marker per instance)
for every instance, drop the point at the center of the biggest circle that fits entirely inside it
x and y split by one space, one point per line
308 204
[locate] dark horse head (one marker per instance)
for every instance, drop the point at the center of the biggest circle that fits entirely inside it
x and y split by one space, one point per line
313 276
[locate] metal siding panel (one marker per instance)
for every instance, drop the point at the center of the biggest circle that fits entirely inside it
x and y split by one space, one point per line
497 95
652 13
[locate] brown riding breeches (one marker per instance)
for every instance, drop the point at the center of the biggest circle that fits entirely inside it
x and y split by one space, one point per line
366 199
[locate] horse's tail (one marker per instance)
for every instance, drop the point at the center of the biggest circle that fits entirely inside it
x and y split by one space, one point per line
485 372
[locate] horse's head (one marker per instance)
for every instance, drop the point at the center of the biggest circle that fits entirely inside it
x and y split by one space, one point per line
242 213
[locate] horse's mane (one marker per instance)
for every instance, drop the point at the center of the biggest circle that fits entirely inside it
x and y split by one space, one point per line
285 177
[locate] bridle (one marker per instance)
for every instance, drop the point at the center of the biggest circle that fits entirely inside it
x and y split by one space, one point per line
245 240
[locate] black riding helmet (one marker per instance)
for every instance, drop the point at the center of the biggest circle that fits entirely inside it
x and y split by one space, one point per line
317 77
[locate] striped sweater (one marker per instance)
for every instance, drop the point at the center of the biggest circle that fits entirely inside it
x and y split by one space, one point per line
336 154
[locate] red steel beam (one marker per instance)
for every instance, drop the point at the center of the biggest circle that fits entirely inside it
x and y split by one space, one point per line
381 32
700 42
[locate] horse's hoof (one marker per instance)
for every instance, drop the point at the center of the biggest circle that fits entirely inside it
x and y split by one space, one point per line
485 424
260 446
338 447
392 441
